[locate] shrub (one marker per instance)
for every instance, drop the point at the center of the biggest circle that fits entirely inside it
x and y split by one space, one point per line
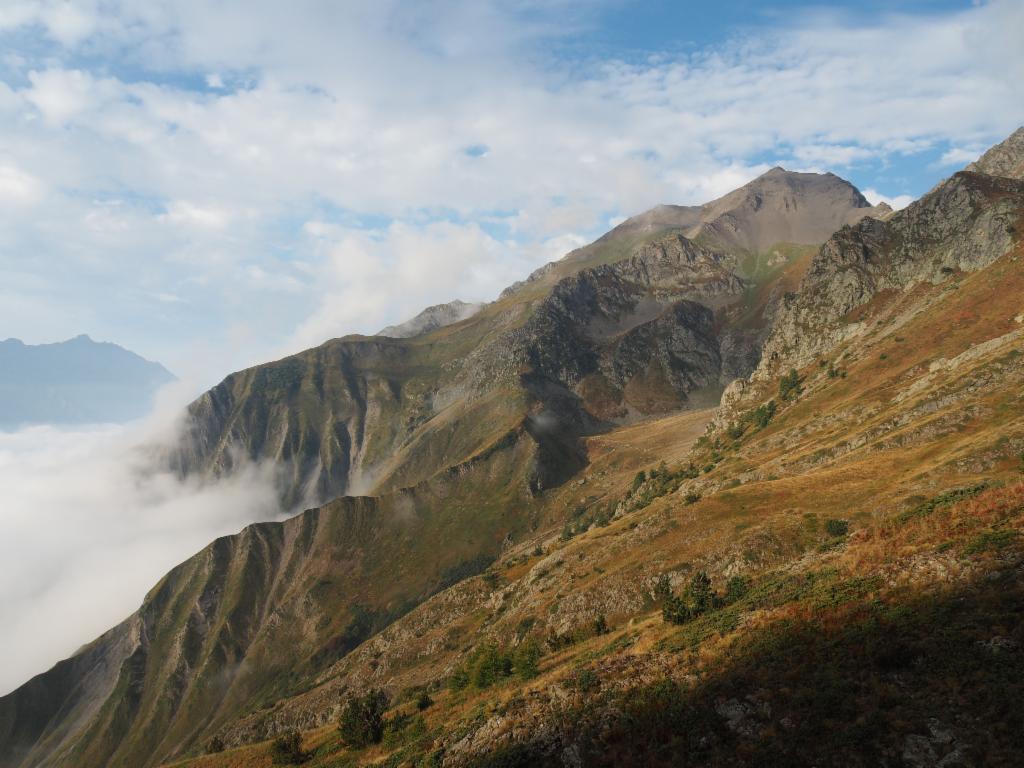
587 681
525 660
837 527
662 589
763 414
538 551
675 610
424 701
362 719
286 749
214 745
600 625
789 385
459 679
640 479
735 589
702 596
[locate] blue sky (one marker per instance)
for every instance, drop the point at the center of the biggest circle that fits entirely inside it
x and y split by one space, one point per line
214 185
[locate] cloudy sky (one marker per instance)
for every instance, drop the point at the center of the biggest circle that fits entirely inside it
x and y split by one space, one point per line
213 184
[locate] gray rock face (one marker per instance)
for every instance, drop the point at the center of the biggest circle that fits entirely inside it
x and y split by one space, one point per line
432 318
639 323
632 337
1004 159
964 224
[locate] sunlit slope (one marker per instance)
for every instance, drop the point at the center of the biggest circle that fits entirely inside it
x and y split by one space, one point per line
901 448
876 512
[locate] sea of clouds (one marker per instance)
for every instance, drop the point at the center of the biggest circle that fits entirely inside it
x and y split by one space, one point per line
90 521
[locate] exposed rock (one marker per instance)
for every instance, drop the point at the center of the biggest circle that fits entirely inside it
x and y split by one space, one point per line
963 224
432 318
1004 159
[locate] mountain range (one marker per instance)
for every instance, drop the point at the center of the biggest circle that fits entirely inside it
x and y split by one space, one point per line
78 381
735 484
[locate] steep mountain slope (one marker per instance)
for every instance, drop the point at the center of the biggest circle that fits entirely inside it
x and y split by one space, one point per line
911 615
432 318
78 381
665 323
876 512
273 628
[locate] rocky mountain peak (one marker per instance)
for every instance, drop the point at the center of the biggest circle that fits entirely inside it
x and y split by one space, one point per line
1004 159
432 318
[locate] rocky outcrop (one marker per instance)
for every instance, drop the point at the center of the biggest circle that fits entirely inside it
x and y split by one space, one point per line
635 337
962 225
1004 159
432 318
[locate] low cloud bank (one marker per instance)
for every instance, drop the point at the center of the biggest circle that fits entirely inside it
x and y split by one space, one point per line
89 523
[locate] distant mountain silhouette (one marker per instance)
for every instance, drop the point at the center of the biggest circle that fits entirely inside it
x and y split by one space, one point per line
78 381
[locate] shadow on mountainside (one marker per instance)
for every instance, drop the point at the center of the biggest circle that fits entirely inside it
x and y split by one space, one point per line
931 680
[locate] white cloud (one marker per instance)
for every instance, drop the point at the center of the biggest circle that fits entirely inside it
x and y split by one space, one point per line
82 552
960 156
181 213
896 202
371 279
16 186
60 95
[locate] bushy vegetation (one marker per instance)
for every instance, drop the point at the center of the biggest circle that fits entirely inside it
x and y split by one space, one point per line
488 665
699 597
286 749
659 482
756 419
945 499
790 385
837 527
362 718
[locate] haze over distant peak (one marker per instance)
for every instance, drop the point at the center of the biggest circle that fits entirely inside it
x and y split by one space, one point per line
432 318
78 381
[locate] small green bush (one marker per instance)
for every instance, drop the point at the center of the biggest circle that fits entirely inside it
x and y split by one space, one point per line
286 749
587 680
837 527
362 719
789 385
526 659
